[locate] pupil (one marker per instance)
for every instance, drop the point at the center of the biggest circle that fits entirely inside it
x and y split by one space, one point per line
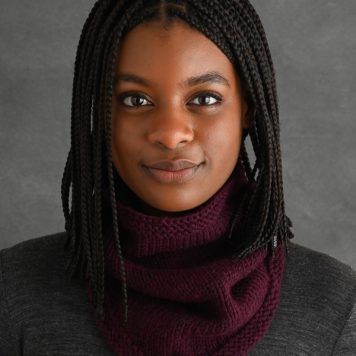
137 100
205 99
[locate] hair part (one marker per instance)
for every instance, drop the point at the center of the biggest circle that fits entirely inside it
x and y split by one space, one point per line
89 176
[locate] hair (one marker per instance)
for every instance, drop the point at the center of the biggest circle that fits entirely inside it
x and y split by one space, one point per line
235 27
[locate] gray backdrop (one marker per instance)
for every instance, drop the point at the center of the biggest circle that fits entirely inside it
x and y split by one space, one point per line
313 45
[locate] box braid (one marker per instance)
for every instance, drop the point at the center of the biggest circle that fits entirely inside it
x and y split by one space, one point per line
235 27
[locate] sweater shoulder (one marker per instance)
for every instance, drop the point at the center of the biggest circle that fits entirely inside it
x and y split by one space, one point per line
45 242
315 268
317 296
34 255
42 310
319 285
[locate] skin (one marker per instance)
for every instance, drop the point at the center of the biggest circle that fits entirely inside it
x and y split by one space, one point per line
167 121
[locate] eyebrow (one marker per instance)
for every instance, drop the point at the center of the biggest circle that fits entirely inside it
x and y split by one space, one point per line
209 77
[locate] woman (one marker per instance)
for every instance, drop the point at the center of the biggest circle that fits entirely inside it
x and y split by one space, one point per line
176 244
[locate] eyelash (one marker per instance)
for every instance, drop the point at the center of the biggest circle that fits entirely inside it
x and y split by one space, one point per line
203 94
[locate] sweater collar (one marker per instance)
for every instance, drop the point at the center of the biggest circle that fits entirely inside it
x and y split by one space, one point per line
185 294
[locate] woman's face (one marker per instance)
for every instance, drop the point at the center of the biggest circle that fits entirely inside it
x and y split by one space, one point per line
161 113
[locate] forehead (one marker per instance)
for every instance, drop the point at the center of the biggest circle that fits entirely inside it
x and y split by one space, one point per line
151 51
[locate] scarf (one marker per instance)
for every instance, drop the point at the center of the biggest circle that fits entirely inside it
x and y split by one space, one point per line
185 295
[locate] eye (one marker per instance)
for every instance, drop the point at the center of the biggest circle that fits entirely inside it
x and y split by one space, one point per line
135 99
216 99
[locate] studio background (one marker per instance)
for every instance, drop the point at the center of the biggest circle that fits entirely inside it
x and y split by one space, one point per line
313 45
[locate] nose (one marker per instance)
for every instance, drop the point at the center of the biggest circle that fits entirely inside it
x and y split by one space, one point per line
171 128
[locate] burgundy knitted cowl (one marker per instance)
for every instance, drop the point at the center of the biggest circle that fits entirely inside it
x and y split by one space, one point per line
185 295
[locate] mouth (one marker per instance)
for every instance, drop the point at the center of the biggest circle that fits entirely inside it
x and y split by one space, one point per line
170 176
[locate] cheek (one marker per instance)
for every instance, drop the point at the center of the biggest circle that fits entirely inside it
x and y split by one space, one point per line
223 139
124 142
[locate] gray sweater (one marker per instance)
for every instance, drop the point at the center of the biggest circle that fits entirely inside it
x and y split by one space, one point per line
42 312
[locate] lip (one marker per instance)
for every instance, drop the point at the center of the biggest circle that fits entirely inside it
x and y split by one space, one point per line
172 176
173 165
